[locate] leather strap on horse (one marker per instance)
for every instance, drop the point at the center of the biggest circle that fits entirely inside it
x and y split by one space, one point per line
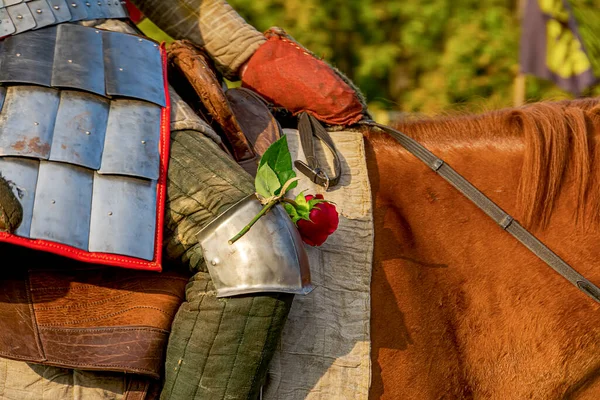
505 221
307 127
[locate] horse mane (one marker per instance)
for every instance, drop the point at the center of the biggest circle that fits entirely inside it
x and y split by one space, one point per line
557 137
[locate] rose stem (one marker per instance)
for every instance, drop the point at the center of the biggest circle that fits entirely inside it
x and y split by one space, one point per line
262 212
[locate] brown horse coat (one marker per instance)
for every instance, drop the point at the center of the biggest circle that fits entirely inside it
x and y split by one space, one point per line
460 309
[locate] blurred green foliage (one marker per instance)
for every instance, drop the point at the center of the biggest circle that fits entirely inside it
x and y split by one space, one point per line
587 14
423 56
426 56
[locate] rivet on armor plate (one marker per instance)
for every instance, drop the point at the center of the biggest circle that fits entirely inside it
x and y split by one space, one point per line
73 5
34 52
17 135
143 142
36 123
60 9
79 112
68 220
129 123
133 69
82 49
215 261
42 13
88 4
53 202
19 16
132 228
110 213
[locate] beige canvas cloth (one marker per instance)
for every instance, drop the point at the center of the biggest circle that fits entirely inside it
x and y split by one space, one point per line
325 348
23 381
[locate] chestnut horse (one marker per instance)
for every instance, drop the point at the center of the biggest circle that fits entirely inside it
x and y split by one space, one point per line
460 309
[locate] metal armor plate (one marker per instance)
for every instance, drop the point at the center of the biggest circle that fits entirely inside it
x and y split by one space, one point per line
43 15
21 17
116 9
78 59
131 145
6 3
28 134
21 174
63 202
130 65
269 258
67 202
6 25
96 10
85 166
2 96
123 219
78 10
80 128
28 58
60 9
18 16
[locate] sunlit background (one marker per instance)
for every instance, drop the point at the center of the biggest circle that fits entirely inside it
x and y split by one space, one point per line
423 56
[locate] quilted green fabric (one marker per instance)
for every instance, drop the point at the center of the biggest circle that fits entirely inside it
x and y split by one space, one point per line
11 211
202 183
218 348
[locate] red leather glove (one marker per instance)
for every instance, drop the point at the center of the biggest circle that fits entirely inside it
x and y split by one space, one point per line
289 76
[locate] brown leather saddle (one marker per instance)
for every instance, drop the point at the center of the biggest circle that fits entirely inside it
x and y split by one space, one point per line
243 119
240 116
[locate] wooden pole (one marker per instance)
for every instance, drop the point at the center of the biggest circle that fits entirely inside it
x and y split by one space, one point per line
519 90
520 84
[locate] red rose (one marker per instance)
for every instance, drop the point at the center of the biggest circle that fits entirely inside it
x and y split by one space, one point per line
323 222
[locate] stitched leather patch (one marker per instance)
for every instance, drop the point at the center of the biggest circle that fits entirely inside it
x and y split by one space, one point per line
95 318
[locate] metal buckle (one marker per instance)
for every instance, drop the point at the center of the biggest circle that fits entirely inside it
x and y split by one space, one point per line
323 175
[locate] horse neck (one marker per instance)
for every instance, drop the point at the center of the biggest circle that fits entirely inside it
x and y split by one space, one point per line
446 279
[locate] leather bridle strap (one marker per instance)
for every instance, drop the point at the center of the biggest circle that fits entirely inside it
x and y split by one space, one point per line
505 221
307 127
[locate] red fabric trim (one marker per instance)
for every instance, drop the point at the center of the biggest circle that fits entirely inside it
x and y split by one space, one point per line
161 191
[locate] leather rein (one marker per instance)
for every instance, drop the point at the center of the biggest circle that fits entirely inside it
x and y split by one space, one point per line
504 220
309 126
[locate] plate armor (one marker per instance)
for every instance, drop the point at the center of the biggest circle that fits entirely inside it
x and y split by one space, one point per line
82 142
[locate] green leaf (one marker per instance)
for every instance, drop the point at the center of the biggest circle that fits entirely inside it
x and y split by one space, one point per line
266 181
302 207
291 212
278 157
312 203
